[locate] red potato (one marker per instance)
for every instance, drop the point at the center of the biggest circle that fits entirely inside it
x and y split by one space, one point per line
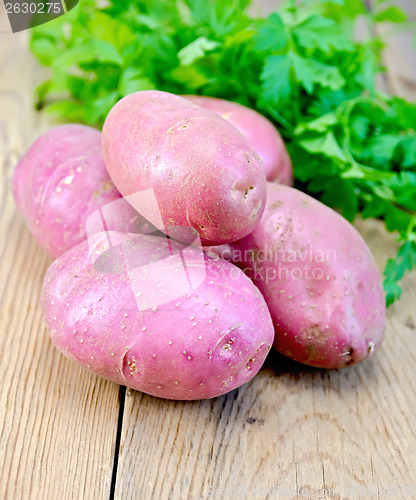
260 133
60 182
112 311
203 172
319 280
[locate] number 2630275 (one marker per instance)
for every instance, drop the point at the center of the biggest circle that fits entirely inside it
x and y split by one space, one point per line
33 8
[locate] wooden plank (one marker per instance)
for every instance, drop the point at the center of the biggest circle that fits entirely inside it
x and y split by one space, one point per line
293 431
58 423
291 427
346 432
262 8
399 54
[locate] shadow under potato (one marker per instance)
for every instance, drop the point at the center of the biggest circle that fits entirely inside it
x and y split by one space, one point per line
277 369
280 364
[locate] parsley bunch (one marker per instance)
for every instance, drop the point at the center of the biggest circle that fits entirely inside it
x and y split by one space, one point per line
353 146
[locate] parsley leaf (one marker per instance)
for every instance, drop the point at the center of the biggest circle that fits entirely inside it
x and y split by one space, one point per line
271 35
396 268
276 79
322 33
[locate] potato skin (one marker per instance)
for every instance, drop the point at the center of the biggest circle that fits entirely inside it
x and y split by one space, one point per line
319 280
59 182
204 173
260 133
200 345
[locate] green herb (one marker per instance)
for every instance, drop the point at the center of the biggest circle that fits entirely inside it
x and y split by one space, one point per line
353 146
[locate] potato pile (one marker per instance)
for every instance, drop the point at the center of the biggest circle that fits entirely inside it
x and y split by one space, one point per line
181 257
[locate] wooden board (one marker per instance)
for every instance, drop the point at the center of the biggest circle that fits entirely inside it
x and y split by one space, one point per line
58 423
293 432
293 427
400 53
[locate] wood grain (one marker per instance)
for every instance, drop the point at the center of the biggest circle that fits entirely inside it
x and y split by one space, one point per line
293 432
291 428
399 54
58 423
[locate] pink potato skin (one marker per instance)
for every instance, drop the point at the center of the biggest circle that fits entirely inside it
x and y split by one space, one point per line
203 171
200 345
260 133
59 182
318 277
